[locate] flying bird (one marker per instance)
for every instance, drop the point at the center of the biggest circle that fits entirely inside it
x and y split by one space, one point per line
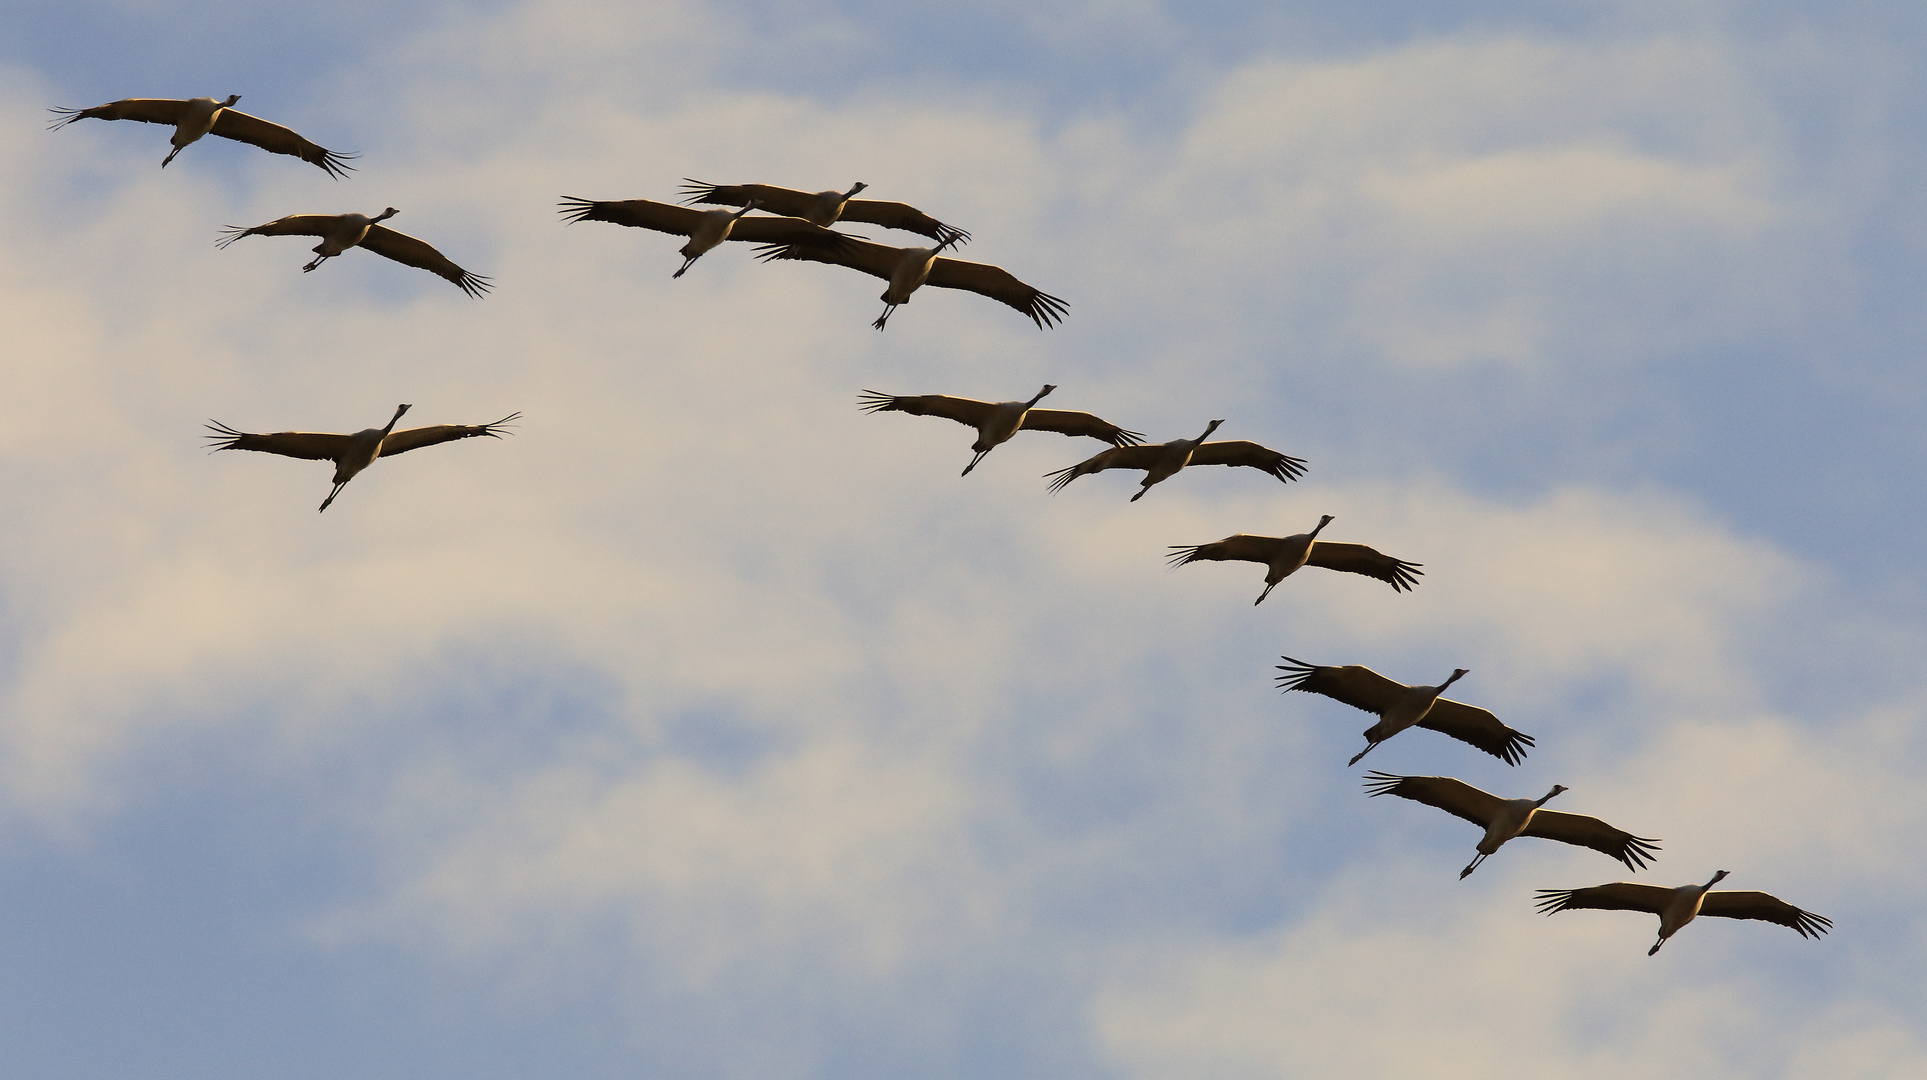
907 269
823 208
351 453
1503 819
339 232
1677 907
1161 461
1399 707
1285 555
706 229
201 116
996 422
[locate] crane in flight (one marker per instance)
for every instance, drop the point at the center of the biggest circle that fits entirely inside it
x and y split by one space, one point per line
1400 706
996 422
339 232
706 229
196 117
824 208
1679 906
1504 819
1161 461
1284 556
351 453
909 269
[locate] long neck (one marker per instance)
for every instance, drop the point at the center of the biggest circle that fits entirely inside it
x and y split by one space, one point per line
1040 396
1322 522
1556 789
393 420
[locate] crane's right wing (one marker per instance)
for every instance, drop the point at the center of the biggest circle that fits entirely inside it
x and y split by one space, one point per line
146 110
967 411
1354 684
311 445
1618 896
292 225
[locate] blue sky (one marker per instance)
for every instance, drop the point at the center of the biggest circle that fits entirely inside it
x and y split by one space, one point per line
709 726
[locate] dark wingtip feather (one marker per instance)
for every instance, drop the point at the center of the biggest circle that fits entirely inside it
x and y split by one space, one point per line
1638 852
1381 783
1183 553
1405 574
1549 901
1807 924
1514 750
336 164
1297 673
576 209
1047 310
872 401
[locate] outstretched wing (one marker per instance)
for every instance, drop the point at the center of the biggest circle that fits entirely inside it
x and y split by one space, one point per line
1251 455
896 215
1759 905
276 139
1454 796
1618 896
409 251
1591 832
1117 457
292 225
400 442
876 260
635 213
1354 684
998 284
1239 548
777 200
963 410
1080 423
1359 559
311 445
147 110
1471 724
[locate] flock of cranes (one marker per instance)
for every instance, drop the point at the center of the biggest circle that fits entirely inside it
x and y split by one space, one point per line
797 225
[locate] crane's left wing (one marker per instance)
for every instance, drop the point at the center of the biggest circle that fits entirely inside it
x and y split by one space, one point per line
1471 724
276 139
1359 559
1583 831
896 215
1759 905
409 251
998 284
1080 423
400 442
1251 455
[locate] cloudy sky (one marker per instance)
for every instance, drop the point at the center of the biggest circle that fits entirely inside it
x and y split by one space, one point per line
708 726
